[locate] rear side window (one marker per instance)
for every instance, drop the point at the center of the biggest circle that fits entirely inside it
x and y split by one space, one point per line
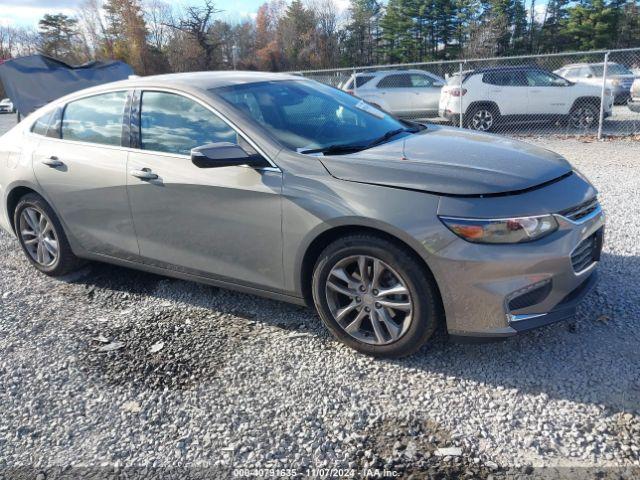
96 119
42 124
172 123
396 81
362 79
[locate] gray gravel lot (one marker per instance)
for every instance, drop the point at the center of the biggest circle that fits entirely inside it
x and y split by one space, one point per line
205 377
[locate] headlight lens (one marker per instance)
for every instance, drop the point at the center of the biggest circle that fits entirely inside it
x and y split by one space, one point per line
504 230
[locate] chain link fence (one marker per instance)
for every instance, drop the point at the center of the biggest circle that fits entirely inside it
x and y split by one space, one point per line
586 93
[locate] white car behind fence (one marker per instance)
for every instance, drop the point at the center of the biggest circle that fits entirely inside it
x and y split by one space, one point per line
491 96
400 92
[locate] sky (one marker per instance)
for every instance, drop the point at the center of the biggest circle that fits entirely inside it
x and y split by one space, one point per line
28 12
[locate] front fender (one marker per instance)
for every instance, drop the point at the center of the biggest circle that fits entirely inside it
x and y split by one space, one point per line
409 216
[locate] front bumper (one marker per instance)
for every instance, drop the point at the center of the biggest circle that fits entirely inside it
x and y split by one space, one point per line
484 288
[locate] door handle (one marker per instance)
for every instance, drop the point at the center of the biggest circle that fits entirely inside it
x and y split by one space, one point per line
52 162
144 174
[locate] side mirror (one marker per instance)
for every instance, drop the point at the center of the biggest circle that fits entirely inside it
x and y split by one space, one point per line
224 154
589 75
438 85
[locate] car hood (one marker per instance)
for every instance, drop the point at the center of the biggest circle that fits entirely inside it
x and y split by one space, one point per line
451 161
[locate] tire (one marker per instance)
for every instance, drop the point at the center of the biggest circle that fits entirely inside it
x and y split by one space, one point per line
584 115
45 246
382 330
482 118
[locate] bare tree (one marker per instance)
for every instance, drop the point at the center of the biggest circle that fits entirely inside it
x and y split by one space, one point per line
17 41
196 23
327 19
159 16
93 29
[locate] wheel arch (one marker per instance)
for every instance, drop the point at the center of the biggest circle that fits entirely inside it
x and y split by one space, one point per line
326 237
482 103
13 198
584 101
18 190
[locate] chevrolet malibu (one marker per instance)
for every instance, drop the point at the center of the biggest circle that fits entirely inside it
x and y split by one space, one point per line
280 186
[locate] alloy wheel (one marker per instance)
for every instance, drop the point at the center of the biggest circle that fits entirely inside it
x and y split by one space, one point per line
583 117
38 236
482 120
369 300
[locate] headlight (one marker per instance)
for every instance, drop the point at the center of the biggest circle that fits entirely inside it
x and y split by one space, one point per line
504 230
616 82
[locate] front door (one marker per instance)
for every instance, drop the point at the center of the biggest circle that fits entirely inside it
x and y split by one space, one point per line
219 222
547 93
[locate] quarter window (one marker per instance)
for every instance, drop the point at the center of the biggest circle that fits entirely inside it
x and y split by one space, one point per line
421 81
172 123
96 119
42 124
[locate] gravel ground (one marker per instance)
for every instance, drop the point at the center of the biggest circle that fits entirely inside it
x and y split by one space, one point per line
116 368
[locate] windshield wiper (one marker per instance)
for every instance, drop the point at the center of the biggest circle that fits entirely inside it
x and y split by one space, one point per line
337 149
387 136
352 148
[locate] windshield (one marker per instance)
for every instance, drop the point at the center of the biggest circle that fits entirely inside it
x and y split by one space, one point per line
612 69
306 115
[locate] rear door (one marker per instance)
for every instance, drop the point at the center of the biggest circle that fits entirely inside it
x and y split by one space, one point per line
81 165
427 91
508 89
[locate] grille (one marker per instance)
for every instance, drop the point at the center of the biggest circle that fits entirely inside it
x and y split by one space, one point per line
581 211
532 297
587 252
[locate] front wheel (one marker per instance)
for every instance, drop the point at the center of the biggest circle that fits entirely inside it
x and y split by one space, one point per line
375 297
584 116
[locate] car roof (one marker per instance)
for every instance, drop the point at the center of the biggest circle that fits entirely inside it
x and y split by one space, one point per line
407 70
189 82
205 80
505 68
585 64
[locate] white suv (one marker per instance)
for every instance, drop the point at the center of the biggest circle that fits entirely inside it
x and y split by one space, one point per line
408 93
520 94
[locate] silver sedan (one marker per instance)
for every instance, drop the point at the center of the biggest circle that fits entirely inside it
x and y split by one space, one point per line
280 186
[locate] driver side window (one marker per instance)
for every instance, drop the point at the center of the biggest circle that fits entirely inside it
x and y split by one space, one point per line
172 123
537 78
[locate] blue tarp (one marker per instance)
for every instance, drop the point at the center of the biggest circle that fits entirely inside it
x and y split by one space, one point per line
34 81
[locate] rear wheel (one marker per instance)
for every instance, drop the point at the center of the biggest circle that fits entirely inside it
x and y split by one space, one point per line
482 118
42 238
374 297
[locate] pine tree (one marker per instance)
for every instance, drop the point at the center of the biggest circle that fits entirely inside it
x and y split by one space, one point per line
362 32
57 36
127 33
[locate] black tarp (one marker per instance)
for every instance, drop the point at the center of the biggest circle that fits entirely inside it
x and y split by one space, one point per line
33 81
